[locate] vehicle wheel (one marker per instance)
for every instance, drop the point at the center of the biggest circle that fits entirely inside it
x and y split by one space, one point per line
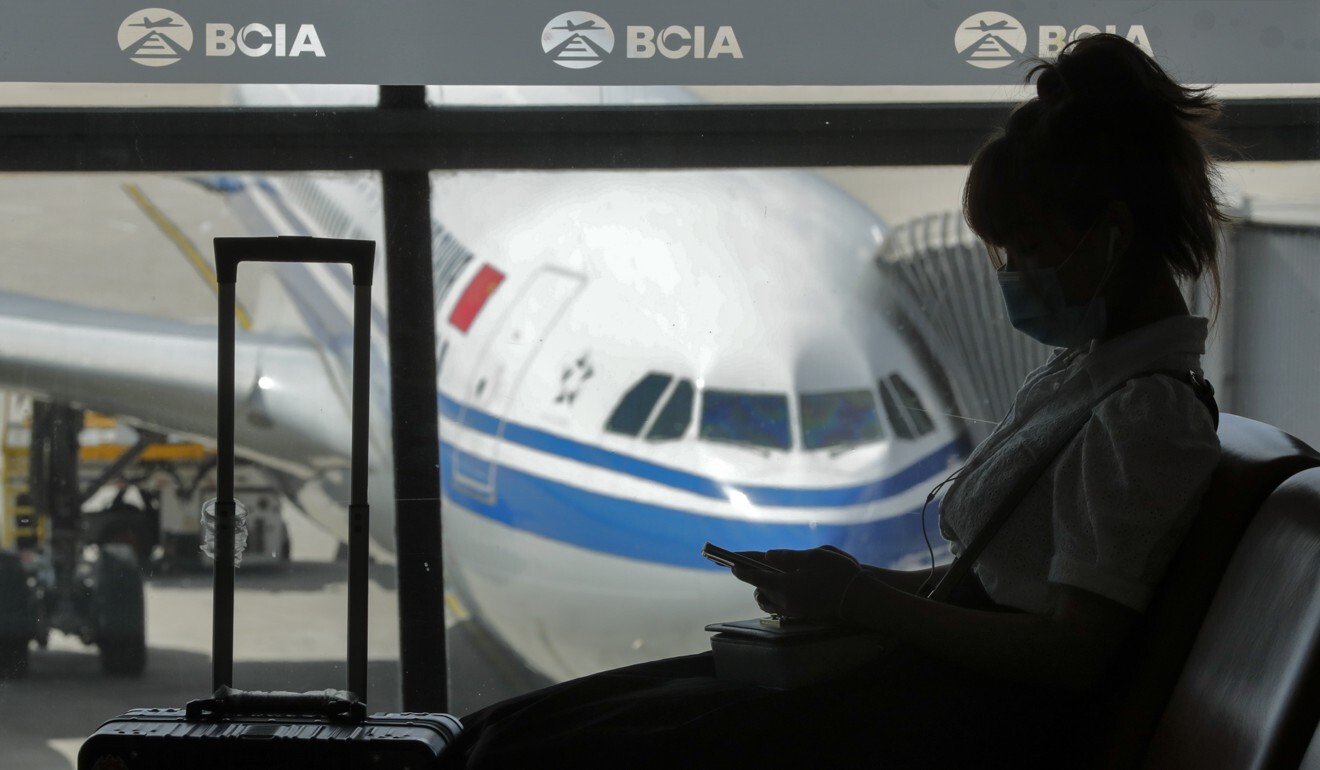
120 612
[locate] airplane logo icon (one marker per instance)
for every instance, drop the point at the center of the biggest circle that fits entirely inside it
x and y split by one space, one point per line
573 26
147 22
988 26
577 40
991 40
155 37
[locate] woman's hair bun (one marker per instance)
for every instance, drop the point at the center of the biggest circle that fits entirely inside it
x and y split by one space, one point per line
1096 69
1107 124
1050 85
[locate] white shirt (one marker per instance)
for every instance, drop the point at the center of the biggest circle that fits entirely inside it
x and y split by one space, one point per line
1107 515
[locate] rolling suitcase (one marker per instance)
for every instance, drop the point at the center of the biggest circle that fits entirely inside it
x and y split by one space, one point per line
257 730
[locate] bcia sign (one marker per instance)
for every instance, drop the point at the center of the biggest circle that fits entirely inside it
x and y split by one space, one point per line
991 40
1052 38
675 42
157 37
259 40
578 40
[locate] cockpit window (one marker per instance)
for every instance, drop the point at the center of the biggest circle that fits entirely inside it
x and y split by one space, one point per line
631 413
905 410
916 411
756 419
676 415
840 418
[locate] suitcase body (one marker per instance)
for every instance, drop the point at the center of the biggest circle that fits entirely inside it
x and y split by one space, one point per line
235 729
165 739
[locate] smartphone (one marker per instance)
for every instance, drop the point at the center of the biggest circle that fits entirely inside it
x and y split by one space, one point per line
730 558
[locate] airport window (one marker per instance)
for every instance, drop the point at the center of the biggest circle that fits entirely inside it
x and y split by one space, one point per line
838 419
676 416
637 404
107 211
750 419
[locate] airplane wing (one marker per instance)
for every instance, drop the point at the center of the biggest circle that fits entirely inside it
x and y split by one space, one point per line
161 374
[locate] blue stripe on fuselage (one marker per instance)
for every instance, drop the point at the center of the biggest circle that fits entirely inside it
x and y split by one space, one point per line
664 535
889 486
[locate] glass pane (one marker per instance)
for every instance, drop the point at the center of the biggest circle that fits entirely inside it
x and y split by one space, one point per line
217 95
845 418
138 243
112 95
637 404
583 553
897 418
903 94
745 418
911 403
107 301
541 96
674 419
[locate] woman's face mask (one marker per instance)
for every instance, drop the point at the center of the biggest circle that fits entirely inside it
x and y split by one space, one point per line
1038 306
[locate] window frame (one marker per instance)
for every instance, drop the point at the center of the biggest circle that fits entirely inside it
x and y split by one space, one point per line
404 139
417 137
662 405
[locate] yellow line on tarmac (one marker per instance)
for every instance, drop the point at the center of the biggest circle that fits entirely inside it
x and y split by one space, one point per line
461 613
185 245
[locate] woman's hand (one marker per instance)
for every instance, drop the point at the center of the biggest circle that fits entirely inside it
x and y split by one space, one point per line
811 585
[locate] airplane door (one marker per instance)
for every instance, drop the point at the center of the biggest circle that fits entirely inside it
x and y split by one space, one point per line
499 374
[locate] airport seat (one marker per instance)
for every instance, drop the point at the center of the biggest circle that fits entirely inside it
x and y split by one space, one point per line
1249 696
1312 759
1146 704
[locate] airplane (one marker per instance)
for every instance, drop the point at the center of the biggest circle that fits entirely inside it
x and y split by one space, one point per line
630 364
572 27
984 26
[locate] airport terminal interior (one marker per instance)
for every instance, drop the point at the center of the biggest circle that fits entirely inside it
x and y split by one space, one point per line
607 324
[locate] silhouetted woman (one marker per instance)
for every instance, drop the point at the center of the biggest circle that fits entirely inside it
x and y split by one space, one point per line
1096 200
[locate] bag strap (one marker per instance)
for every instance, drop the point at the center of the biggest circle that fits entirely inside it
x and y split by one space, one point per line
962 566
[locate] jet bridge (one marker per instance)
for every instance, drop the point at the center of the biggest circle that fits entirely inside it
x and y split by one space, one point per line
945 292
1260 359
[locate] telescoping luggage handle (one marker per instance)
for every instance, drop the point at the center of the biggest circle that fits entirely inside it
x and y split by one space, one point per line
360 255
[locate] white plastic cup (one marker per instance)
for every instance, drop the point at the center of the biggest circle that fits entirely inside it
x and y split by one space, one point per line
208 529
